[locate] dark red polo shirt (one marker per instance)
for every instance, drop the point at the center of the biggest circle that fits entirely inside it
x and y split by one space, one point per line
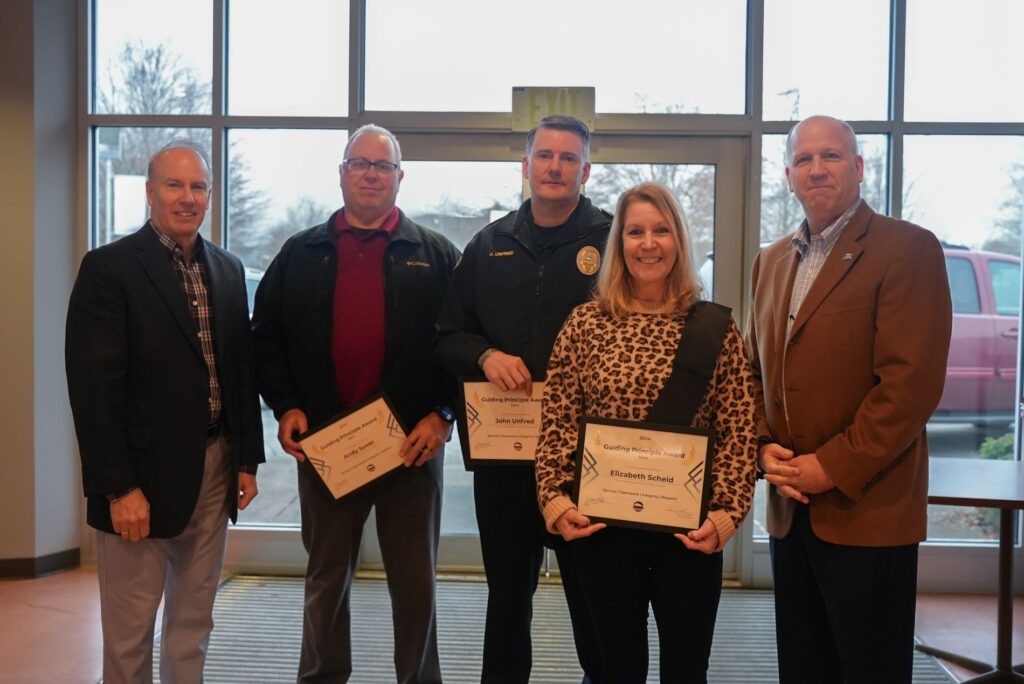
357 328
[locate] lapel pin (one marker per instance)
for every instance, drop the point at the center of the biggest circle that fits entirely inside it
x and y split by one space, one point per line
847 257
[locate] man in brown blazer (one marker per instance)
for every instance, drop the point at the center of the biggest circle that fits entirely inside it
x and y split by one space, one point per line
848 335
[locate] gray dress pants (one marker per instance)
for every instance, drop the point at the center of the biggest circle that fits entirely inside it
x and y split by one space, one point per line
408 509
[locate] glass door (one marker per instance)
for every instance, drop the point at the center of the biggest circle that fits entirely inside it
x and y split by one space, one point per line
458 184
462 196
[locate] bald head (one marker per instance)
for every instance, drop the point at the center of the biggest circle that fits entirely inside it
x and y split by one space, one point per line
178 147
823 169
841 128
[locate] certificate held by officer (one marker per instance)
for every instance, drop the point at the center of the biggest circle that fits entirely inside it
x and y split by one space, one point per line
499 426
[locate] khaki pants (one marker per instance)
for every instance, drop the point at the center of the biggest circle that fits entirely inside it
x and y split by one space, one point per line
184 570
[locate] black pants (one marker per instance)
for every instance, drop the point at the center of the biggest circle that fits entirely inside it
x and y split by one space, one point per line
843 614
621 572
512 540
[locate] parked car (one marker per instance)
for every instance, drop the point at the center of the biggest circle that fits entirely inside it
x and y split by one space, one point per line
981 374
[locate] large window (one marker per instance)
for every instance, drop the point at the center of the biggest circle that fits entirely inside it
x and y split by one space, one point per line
274 91
811 47
299 68
963 189
961 64
476 52
142 66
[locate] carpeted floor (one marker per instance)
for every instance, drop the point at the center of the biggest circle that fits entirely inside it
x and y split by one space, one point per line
259 627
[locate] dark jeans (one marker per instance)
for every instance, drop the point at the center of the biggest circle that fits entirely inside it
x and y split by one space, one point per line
622 571
843 614
512 540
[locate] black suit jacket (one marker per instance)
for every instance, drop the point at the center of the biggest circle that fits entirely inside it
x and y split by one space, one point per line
139 386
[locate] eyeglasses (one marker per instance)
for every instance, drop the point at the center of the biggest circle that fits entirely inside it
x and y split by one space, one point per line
362 165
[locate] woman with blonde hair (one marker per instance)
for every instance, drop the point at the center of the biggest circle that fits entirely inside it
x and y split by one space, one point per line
646 348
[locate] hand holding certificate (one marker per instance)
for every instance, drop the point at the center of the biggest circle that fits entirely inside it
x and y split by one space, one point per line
643 475
499 426
356 448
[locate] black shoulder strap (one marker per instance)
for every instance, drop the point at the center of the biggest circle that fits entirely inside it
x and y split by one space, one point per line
694 363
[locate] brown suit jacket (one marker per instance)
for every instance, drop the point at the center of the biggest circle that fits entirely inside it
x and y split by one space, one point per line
859 376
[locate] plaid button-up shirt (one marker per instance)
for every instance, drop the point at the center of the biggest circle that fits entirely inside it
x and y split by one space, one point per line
813 250
195 285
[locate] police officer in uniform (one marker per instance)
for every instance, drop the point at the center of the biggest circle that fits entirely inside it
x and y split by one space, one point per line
517 282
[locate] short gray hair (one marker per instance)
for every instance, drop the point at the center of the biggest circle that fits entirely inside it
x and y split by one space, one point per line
380 130
182 144
850 134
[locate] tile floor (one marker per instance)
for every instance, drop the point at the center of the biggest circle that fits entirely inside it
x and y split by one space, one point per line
49 628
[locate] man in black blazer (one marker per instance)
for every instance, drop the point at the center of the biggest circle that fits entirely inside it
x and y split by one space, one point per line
162 383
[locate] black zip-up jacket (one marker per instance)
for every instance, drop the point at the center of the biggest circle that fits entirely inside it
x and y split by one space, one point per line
513 293
293 313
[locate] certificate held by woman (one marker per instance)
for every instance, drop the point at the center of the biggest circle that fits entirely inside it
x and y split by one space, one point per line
643 475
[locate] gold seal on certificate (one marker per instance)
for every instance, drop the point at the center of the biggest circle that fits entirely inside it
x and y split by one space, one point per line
499 427
643 475
356 448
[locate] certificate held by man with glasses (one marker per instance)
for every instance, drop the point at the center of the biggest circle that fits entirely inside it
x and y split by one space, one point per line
643 475
356 448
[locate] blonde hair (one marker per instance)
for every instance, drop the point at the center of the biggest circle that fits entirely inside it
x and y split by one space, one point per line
614 290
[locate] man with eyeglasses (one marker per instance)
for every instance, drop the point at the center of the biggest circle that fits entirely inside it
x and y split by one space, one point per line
518 281
346 310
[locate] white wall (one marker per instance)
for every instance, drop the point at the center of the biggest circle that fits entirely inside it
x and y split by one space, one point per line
41 500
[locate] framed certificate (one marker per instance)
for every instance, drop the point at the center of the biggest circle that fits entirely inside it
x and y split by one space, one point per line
356 448
497 427
643 475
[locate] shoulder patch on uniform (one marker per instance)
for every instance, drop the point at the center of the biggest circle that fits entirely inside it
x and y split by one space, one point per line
588 260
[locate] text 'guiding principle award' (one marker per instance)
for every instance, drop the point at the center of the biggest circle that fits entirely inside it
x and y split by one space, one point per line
356 448
497 426
643 475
